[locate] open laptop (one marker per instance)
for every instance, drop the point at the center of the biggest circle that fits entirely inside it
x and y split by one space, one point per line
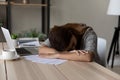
19 51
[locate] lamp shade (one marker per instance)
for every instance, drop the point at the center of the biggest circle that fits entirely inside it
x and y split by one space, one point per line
114 7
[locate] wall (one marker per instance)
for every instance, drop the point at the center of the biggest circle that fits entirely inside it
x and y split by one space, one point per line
91 12
2 17
25 18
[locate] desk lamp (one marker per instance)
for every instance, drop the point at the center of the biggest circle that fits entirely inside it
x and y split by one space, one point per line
114 9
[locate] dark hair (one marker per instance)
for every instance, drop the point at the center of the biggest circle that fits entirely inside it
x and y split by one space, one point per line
59 38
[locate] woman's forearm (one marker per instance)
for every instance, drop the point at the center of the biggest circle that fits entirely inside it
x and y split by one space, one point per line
48 52
73 56
45 49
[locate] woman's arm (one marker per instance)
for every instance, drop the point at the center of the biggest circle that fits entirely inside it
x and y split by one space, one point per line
46 50
83 55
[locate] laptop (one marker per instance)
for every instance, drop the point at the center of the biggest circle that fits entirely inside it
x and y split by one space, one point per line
19 51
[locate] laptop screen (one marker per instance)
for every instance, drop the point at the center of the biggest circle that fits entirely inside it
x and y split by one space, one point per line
10 44
8 38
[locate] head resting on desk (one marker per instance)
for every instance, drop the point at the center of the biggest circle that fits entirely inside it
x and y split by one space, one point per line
65 37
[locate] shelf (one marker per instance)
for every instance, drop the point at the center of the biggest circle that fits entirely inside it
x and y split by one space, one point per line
3 3
29 4
21 4
43 5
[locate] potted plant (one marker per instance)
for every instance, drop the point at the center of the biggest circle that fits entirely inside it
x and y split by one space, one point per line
14 39
33 33
1 22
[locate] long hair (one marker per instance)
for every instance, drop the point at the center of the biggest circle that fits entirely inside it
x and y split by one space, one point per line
59 38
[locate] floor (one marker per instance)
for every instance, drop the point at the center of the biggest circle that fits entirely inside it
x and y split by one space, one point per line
116 67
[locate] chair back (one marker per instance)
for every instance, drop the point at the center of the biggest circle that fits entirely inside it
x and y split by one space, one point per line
101 48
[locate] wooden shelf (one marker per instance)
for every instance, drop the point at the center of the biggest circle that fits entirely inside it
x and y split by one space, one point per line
21 4
3 3
29 4
44 6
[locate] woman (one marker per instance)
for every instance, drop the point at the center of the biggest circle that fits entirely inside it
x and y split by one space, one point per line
71 41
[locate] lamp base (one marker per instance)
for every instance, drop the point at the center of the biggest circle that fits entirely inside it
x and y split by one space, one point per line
114 48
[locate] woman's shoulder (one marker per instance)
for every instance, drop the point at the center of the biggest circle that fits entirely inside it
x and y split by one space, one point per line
90 33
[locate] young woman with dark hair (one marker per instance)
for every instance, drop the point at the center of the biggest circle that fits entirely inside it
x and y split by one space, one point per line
71 41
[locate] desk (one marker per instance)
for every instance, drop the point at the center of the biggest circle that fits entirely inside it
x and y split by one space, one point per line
2 66
26 70
2 70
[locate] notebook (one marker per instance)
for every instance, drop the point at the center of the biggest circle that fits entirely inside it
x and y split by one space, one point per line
19 51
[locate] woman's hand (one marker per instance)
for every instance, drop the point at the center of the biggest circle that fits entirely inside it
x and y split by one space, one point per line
79 52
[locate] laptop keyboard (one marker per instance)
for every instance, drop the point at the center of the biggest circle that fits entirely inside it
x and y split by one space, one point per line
23 52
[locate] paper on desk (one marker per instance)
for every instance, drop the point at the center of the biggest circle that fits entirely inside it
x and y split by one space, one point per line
36 58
